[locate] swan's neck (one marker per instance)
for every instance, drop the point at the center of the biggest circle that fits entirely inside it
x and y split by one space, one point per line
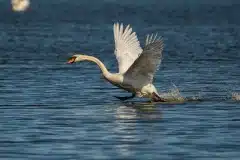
104 70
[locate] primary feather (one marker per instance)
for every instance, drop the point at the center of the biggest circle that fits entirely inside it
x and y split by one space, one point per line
143 69
151 39
127 46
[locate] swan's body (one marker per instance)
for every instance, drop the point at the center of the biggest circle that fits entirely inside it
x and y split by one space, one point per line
20 5
137 66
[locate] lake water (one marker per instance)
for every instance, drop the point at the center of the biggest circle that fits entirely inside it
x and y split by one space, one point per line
51 110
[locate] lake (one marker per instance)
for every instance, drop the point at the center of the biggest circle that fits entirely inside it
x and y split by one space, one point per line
53 110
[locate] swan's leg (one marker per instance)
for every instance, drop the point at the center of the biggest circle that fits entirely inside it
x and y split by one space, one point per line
125 98
139 94
157 98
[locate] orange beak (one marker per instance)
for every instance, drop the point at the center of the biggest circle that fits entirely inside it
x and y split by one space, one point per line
71 60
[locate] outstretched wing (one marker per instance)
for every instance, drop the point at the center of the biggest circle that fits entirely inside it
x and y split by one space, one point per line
143 69
127 46
151 38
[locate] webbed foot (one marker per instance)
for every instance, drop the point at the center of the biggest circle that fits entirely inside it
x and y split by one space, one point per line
125 98
157 98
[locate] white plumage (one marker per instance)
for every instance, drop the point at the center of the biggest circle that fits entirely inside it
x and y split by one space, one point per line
127 46
137 66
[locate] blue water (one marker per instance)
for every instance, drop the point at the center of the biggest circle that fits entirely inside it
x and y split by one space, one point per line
51 110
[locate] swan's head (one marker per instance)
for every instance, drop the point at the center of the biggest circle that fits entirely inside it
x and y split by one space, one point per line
76 58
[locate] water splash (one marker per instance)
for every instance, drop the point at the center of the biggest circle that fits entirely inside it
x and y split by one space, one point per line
174 95
236 96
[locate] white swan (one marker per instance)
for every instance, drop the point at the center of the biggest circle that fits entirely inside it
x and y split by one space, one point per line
137 66
20 5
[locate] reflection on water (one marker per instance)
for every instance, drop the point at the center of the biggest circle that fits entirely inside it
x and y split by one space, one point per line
127 118
125 128
138 110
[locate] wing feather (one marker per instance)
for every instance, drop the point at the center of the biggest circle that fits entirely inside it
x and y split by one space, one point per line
144 68
127 31
127 46
151 38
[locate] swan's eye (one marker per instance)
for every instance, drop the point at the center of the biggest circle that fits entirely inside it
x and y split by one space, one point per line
71 60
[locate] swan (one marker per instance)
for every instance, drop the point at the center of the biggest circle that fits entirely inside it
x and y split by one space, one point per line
20 5
136 66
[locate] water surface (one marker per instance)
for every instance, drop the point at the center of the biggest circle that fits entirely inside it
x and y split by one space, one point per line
51 110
